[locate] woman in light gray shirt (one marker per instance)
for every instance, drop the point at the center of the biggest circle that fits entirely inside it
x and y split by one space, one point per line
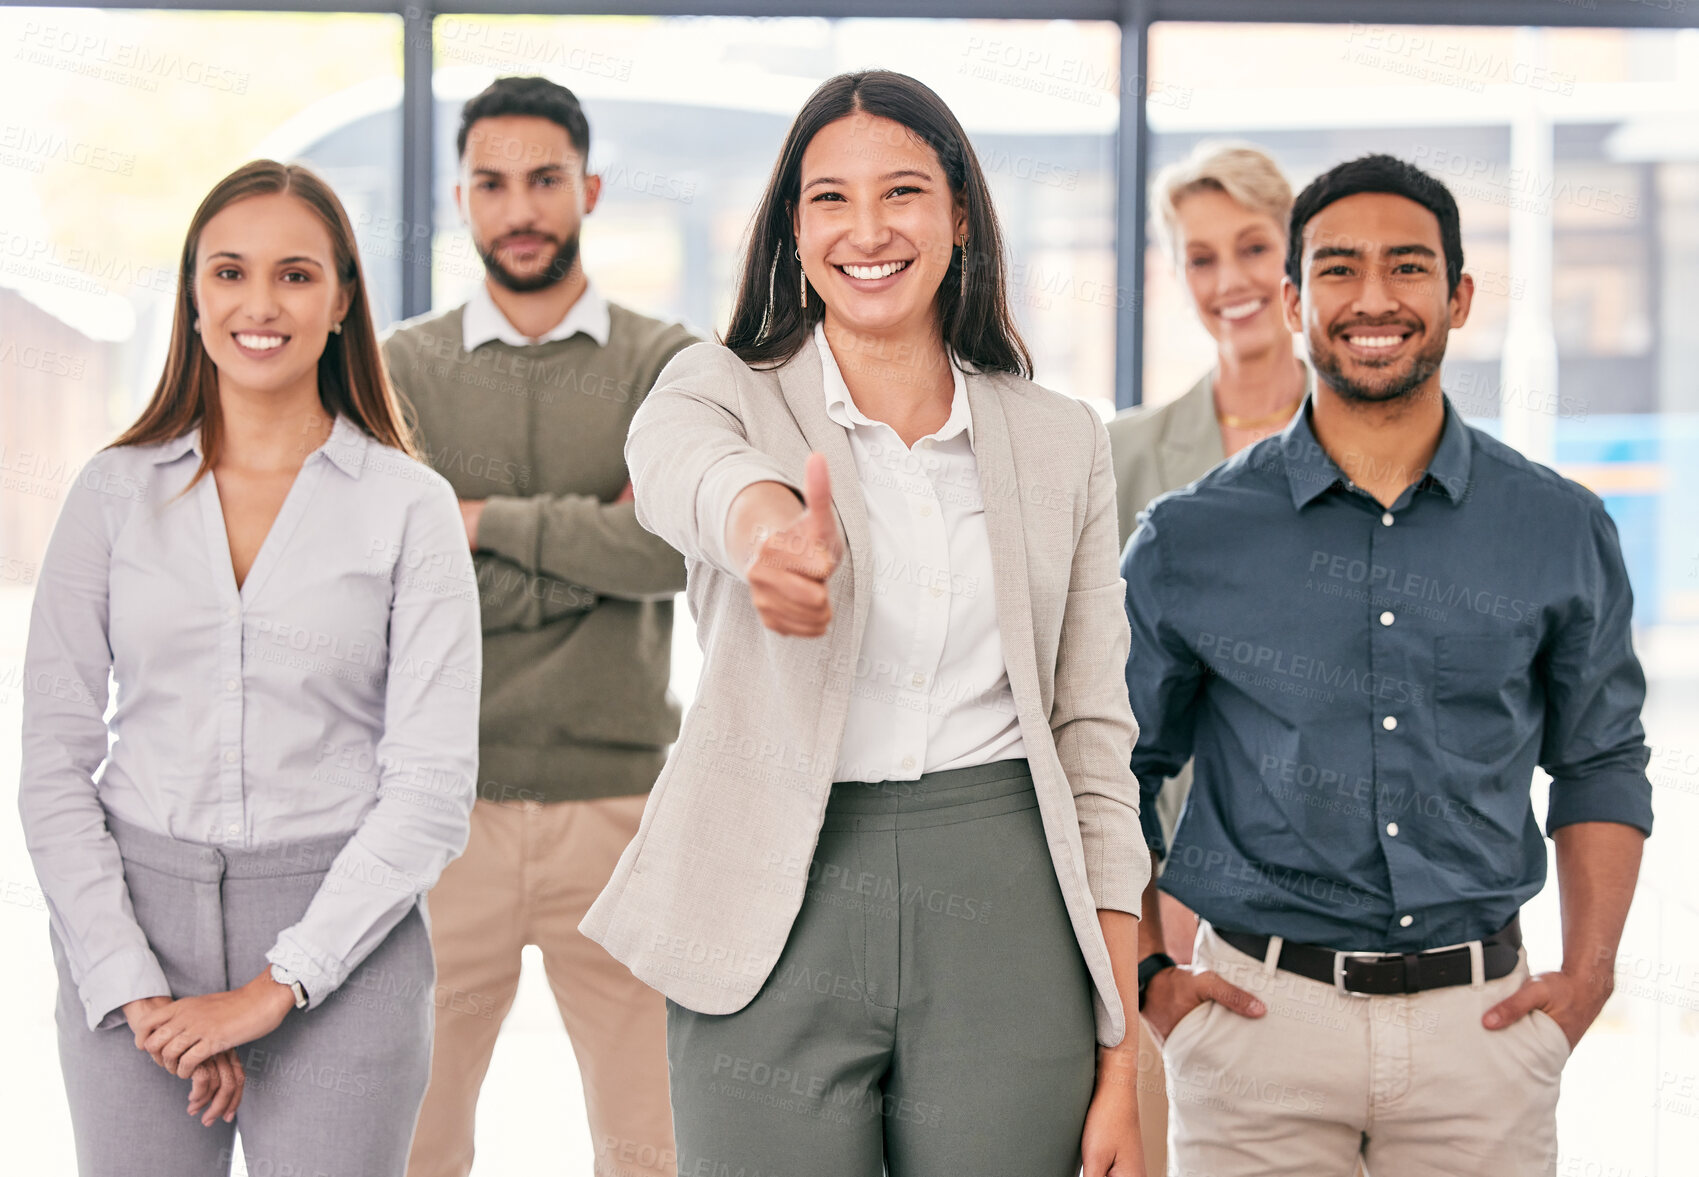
250 739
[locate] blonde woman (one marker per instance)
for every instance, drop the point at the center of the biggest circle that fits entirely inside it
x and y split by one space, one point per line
1221 216
277 599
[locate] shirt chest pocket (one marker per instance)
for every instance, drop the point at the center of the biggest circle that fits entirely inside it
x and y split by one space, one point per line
1482 684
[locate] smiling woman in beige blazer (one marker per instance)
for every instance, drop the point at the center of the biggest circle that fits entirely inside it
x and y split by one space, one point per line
889 877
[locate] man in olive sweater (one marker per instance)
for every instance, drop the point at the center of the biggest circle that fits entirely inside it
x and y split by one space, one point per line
521 399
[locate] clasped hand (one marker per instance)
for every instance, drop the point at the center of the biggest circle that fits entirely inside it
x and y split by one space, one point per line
195 1038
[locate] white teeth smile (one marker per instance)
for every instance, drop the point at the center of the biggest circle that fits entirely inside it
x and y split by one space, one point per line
871 272
259 342
1242 310
1377 340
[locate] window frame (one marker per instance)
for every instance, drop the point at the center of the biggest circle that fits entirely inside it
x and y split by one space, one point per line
1132 136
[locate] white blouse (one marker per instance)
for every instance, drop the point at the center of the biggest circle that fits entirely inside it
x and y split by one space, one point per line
931 690
335 692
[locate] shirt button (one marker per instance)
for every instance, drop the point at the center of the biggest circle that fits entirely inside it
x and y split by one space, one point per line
230 757
925 510
1386 519
1390 722
936 591
920 680
230 612
908 762
1386 618
1392 829
234 830
229 684
926 443
1406 921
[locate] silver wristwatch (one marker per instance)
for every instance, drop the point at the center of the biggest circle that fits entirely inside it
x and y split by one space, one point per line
282 977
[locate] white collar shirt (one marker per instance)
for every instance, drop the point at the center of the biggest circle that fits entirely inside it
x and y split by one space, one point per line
483 322
931 689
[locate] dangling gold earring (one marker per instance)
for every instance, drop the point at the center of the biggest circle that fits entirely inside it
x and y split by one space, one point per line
804 275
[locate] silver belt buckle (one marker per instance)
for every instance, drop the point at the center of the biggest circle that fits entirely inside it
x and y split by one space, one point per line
1339 969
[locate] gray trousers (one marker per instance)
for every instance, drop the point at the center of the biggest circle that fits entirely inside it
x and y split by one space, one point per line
332 1092
930 1013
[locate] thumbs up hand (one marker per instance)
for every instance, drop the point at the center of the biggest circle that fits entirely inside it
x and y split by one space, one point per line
792 560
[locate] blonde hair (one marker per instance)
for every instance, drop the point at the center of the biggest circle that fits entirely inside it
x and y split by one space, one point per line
1245 173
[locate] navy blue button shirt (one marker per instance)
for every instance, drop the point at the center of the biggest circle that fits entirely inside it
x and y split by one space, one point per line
1366 692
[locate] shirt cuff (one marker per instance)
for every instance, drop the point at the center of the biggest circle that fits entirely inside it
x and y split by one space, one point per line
1624 797
116 982
320 975
510 527
1151 825
1149 822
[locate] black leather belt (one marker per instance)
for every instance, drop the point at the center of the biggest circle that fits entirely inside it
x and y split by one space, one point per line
1383 973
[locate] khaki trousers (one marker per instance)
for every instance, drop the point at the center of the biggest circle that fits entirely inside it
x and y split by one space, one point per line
529 873
1414 1085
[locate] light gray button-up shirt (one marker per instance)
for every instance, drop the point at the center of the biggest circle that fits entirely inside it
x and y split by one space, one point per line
335 692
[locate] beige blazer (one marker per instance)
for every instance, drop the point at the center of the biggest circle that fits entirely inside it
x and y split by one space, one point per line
1160 449
702 901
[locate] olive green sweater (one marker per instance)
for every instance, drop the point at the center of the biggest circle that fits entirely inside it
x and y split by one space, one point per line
577 599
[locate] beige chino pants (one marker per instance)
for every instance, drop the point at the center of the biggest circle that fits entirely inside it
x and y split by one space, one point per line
529 873
1413 1084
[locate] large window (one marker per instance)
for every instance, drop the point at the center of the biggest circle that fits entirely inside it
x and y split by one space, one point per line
115 125
686 120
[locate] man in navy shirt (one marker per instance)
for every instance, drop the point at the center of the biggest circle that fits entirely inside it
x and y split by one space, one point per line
1368 631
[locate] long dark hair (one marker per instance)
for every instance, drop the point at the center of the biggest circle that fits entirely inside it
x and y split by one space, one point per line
352 379
769 323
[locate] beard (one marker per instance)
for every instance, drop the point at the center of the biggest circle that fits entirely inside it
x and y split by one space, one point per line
1395 387
565 257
